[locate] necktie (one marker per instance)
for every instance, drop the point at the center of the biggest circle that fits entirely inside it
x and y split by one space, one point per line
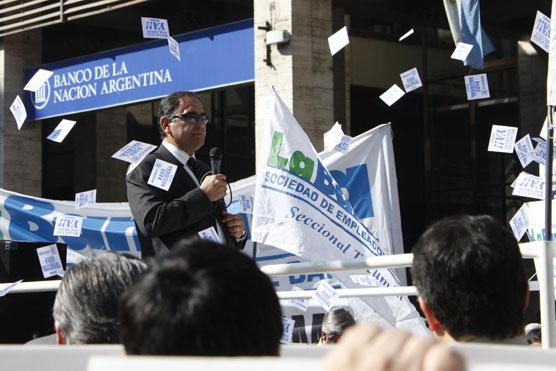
195 168
218 205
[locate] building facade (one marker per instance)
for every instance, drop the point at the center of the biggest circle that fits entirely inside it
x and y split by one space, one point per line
440 138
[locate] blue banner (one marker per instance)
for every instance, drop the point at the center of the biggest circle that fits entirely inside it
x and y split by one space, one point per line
106 226
210 58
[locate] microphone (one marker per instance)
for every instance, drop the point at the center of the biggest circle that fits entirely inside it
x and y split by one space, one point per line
215 160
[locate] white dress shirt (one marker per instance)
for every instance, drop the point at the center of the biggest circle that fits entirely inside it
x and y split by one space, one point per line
182 157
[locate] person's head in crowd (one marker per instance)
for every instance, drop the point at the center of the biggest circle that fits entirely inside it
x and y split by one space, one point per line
86 305
469 275
533 334
334 324
202 298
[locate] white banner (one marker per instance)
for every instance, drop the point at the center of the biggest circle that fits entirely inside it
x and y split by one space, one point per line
367 173
300 208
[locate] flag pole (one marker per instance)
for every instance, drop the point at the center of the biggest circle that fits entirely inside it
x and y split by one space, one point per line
546 254
545 272
548 176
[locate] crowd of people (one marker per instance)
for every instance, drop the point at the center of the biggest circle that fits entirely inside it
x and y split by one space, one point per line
205 298
192 296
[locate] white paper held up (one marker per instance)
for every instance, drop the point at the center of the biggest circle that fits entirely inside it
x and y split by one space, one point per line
68 225
476 86
520 222
85 199
174 47
461 51
541 31
325 295
525 151
392 95
527 185
162 174
61 131
406 35
19 112
411 80
338 41
502 139
155 28
50 262
287 326
134 151
39 79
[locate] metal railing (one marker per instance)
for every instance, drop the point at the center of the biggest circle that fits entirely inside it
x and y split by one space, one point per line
531 250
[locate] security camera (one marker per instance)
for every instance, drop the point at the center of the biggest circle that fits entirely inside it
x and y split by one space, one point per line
277 37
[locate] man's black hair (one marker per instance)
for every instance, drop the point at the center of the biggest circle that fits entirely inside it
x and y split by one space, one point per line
170 103
469 271
202 298
86 304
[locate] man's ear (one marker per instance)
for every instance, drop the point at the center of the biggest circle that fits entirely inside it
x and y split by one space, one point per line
59 335
164 124
434 325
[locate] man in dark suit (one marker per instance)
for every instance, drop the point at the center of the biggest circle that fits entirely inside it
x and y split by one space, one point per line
193 201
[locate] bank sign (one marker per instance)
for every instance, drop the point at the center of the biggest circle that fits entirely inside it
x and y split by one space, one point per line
210 58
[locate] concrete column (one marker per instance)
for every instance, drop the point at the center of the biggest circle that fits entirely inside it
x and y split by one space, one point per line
301 70
532 70
20 150
111 136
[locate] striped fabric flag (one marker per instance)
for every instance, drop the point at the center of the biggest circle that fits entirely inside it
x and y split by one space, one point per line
464 18
452 13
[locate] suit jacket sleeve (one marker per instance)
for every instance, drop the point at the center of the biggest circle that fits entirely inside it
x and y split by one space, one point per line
155 211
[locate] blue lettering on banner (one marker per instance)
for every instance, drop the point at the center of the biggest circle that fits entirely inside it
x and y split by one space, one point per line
356 181
324 183
282 181
144 72
27 224
303 191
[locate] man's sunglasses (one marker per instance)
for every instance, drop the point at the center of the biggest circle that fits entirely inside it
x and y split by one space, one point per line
191 117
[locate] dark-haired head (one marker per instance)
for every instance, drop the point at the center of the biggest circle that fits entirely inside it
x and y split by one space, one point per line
170 104
202 298
469 273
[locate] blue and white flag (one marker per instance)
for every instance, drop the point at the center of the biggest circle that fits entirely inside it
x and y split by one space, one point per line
464 18
452 13
472 33
105 227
